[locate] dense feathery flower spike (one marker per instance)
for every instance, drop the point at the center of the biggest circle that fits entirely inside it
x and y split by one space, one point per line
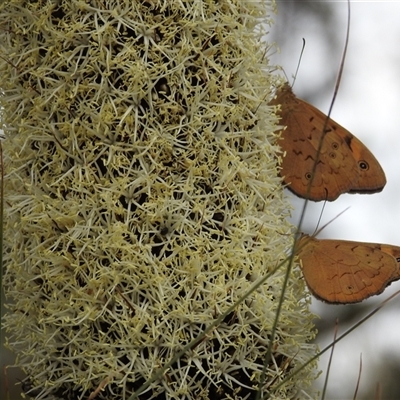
142 199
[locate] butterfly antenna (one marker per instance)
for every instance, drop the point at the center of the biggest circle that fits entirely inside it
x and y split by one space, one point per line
298 64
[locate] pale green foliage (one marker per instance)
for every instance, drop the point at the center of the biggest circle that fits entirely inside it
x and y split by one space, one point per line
143 198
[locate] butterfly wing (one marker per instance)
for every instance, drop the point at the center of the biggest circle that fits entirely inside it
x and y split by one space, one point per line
371 178
394 251
345 164
342 272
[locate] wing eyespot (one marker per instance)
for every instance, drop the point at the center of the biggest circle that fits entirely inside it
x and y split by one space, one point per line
363 165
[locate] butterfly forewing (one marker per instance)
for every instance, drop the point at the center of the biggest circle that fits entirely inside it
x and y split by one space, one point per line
345 165
372 178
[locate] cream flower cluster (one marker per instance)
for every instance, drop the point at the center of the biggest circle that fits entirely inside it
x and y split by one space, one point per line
143 200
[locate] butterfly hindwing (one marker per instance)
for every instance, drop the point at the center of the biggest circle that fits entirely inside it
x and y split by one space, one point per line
340 271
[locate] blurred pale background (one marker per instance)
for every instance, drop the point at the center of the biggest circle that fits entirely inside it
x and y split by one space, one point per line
368 105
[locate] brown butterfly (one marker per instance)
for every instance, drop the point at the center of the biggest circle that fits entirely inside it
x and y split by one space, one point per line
342 272
345 165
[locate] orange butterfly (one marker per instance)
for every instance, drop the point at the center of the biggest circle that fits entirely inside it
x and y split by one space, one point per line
342 272
345 165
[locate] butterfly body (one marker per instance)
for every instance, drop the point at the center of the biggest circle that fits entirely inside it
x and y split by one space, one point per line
342 272
344 165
